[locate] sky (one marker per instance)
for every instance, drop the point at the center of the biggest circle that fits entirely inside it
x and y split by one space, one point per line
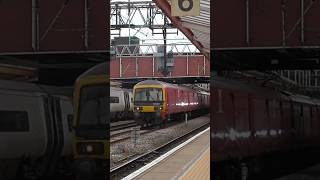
145 34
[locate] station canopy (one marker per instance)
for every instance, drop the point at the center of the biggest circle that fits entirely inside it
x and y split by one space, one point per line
195 28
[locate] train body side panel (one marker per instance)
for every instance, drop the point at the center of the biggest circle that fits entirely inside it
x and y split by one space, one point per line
241 115
117 106
32 129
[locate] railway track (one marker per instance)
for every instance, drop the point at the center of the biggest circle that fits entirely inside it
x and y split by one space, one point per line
114 138
128 167
121 132
118 134
122 126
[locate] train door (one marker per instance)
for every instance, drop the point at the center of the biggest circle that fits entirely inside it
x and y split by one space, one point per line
298 122
126 101
251 123
301 121
173 101
307 123
231 109
241 121
67 121
131 101
292 119
312 123
260 123
178 101
55 132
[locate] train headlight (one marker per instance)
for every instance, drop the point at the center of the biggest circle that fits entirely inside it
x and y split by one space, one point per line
90 148
137 108
157 108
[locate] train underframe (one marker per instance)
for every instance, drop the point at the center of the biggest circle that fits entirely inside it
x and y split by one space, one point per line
120 116
147 119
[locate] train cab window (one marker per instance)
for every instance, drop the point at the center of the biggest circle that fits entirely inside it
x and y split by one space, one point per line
14 121
148 94
114 99
93 105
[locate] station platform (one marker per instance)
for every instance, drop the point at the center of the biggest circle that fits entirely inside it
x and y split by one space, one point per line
191 161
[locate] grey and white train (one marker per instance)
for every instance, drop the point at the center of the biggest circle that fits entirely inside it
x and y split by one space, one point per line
35 130
121 105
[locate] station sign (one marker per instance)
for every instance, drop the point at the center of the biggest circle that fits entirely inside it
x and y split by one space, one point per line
185 7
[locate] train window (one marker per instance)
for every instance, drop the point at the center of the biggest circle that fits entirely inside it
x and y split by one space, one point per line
301 110
93 105
114 99
13 121
311 115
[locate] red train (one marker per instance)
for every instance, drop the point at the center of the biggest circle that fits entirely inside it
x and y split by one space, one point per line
157 102
250 122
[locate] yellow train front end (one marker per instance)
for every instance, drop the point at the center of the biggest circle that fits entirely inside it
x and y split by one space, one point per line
149 104
91 145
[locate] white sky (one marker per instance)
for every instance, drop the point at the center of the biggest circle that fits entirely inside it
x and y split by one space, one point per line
146 34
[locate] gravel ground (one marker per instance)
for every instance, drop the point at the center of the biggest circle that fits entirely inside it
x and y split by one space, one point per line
126 150
125 135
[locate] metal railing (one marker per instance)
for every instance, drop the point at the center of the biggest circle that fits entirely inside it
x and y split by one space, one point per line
151 49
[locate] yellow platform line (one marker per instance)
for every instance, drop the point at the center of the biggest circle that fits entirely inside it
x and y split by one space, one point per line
200 170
